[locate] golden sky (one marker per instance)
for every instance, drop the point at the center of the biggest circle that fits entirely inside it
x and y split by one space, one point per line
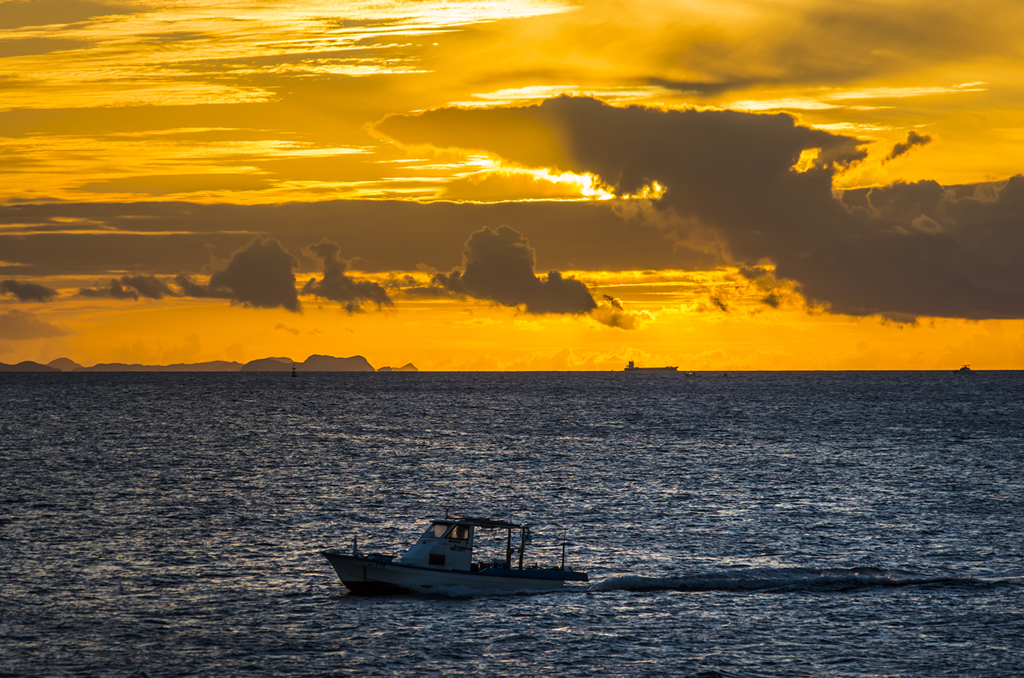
789 184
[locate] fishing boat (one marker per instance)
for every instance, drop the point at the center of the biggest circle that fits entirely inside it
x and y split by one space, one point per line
443 558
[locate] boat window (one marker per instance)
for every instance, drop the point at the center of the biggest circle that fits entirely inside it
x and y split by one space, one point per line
459 532
439 529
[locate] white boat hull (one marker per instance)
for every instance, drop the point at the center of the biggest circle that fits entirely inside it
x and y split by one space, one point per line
375 574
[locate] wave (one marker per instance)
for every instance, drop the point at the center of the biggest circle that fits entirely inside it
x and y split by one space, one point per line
764 580
784 580
466 592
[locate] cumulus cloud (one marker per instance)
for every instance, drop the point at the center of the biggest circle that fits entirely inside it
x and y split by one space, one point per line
130 287
498 265
27 291
337 286
902 148
20 325
907 249
258 275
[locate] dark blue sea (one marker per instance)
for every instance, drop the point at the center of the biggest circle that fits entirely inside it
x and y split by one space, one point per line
755 524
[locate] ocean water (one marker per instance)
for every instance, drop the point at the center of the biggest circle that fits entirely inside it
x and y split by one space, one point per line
755 524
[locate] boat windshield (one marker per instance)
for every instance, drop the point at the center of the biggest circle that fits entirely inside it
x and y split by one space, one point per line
438 529
460 532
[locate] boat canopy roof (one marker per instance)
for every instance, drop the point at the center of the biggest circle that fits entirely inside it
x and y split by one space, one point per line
486 523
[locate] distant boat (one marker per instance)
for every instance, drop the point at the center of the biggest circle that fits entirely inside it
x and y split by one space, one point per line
965 368
633 368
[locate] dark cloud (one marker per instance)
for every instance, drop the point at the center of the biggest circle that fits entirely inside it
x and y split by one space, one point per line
706 88
905 250
901 203
166 238
258 275
49 12
498 265
432 291
687 151
754 272
771 300
865 41
913 139
130 287
337 286
190 288
399 282
32 46
114 291
27 291
161 184
21 325
147 286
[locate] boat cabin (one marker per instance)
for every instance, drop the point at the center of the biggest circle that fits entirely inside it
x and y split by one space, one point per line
448 544
445 544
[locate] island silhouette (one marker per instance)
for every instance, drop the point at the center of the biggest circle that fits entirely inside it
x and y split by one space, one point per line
314 363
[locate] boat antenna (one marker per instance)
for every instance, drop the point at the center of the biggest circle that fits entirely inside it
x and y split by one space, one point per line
564 532
446 509
508 539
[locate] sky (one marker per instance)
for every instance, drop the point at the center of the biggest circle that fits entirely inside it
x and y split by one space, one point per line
537 185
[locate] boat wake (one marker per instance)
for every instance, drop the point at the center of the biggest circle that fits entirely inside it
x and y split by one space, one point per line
784 580
764 580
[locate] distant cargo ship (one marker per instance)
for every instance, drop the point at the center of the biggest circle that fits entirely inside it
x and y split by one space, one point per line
633 368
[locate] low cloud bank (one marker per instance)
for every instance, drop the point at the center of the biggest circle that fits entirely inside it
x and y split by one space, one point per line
261 275
130 287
